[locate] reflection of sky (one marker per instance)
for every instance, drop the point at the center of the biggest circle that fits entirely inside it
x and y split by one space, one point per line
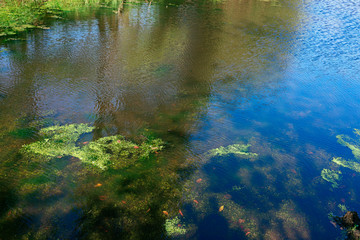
330 40
6 81
319 81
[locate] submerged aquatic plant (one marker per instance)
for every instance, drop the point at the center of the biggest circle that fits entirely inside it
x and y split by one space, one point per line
343 208
117 152
347 163
58 141
331 176
354 146
174 228
114 151
238 149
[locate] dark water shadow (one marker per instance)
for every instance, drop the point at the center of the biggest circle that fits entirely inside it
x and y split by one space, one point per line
214 226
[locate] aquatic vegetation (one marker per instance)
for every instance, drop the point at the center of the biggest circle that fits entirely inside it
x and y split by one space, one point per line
174 227
206 203
331 176
343 208
121 200
292 221
116 152
237 188
347 163
27 126
353 144
238 149
59 141
17 16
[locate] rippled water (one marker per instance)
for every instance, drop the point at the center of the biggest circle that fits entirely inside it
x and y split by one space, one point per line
281 76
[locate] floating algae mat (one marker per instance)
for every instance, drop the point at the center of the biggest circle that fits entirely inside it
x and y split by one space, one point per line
112 151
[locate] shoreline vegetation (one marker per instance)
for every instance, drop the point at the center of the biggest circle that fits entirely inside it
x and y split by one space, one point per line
19 15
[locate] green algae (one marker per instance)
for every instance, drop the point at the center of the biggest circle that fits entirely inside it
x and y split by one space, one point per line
237 149
115 151
174 227
353 144
58 141
112 151
331 176
28 126
347 163
23 133
342 208
126 199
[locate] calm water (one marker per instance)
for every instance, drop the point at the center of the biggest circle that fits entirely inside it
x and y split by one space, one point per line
282 76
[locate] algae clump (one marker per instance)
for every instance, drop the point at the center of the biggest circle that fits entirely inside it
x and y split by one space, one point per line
111 151
58 140
117 152
354 146
348 164
238 149
343 208
351 143
173 227
331 176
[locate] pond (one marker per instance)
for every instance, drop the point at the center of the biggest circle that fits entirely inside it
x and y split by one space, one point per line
231 119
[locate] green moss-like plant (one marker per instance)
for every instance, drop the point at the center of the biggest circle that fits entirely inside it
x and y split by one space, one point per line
238 149
117 152
353 144
114 151
331 176
173 228
58 141
347 163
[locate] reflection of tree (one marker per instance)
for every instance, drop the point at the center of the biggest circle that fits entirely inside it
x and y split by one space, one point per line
104 91
154 71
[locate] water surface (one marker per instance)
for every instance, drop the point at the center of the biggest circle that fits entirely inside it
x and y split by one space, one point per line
281 76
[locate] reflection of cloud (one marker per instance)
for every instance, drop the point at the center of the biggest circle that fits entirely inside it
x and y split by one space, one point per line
299 114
